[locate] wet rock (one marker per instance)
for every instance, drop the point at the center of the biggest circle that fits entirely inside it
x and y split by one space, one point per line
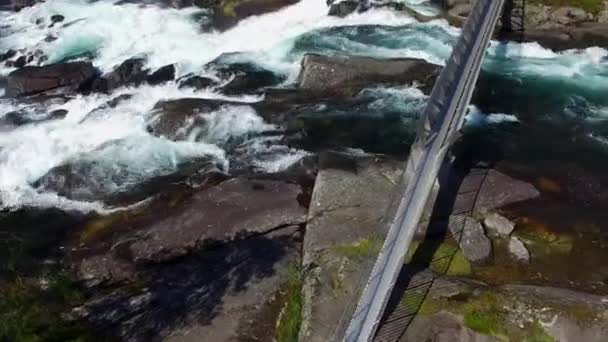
444 327
18 5
20 62
10 53
475 245
196 82
499 190
581 36
232 292
244 77
162 75
347 211
32 80
343 8
498 224
50 38
350 72
129 72
58 114
519 250
176 119
92 179
226 14
56 18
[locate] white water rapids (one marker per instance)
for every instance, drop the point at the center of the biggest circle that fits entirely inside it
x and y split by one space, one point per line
113 33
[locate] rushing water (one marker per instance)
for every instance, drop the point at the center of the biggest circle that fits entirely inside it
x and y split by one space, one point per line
572 84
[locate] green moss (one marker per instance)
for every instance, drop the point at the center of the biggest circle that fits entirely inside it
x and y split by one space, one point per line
592 6
546 243
291 316
30 314
362 249
536 333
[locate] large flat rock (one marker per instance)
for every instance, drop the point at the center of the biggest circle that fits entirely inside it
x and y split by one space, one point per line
345 227
338 72
233 210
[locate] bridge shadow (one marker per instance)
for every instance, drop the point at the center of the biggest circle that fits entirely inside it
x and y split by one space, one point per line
460 184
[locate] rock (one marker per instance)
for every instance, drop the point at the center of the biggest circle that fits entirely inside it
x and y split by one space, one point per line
499 190
58 114
162 75
581 36
50 38
227 14
129 72
475 245
56 18
91 178
176 119
196 82
101 110
233 210
10 53
32 80
337 72
20 62
519 250
346 222
244 77
444 327
235 291
18 5
343 8
515 313
498 224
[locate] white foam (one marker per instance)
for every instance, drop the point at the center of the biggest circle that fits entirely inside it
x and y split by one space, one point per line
476 118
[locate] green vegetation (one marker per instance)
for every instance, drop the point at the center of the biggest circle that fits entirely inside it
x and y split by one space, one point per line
291 316
536 333
446 259
360 250
592 6
29 313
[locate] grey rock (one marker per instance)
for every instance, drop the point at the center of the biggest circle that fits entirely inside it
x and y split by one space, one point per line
332 73
229 293
232 209
349 204
475 245
443 327
162 75
499 190
32 80
498 224
177 119
519 250
343 8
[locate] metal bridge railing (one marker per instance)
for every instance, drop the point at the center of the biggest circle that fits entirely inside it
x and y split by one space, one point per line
442 119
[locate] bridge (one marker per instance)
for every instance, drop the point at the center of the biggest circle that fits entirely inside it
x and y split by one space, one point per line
439 127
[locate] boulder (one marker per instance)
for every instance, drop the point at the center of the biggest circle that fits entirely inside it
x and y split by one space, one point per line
233 210
56 18
91 179
10 53
499 190
176 119
18 5
343 8
20 62
32 80
244 77
196 82
336 73
518 250
475 245
129 72
498 224
162 75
